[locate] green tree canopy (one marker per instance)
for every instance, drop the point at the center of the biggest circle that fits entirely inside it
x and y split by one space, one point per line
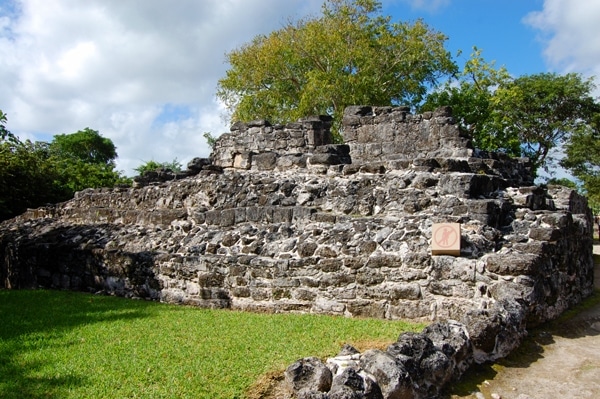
542 111
563 181
470 94
152 165
348 55
86 145
26 178
34 174
84 159
526 116
582 158
4 133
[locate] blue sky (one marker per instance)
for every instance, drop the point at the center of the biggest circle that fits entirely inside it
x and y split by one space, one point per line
495 26
144 73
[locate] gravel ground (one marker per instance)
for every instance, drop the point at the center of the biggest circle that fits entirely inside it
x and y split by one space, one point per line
557 362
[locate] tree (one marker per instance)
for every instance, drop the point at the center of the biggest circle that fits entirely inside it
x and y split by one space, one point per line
36 173
582 159
349 55
526 116
4 133
87 145
27 179
151 166
542 111
470 94
563 181
76 175
85 159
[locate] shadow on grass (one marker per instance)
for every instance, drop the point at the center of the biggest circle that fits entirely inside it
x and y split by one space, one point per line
34 319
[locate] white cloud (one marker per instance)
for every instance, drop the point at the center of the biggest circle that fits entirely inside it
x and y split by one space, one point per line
142 72
570 31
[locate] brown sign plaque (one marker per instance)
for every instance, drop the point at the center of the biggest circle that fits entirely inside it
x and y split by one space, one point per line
445 239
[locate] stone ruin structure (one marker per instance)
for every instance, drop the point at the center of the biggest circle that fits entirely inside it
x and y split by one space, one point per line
280 219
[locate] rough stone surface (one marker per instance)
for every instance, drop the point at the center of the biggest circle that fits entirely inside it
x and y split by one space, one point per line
309 374
281 220
258 145
353 383
391 375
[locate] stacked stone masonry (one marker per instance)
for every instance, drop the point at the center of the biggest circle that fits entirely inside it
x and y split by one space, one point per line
282 220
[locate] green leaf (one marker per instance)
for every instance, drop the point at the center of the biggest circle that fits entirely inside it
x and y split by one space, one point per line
349 55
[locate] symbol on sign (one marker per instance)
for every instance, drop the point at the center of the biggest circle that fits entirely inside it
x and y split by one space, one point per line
446 236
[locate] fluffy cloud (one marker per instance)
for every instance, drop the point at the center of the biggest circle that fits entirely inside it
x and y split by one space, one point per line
142 72
570 30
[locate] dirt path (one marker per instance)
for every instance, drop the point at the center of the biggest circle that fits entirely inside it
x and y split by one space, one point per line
559 361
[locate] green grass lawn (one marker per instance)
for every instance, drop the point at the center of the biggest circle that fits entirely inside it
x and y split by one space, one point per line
73 345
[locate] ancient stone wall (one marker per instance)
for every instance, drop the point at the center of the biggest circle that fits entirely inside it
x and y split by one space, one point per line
397 139
258 145
354 245
393 133
353 239
339 236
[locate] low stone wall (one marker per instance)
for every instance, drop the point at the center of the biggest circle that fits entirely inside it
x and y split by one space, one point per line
390 133
415 366
329 236
354 245
258 145
395 138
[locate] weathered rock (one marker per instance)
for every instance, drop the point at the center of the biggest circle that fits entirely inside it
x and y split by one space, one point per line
495 332
437 367
197 164
513 264
311 395
391 375
411 349
348 350
452 339
308 374
350 384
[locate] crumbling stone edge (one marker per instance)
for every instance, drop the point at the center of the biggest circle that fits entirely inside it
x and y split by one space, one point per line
417 365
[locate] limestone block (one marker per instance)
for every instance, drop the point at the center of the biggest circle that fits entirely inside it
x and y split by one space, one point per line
392 377
512 263
308 374
264 161
242 160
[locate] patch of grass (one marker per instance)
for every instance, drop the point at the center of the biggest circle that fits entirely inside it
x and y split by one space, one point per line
73 345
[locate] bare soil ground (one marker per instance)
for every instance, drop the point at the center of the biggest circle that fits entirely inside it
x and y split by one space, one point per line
558 360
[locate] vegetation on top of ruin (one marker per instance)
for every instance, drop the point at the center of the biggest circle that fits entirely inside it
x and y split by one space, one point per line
350 54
